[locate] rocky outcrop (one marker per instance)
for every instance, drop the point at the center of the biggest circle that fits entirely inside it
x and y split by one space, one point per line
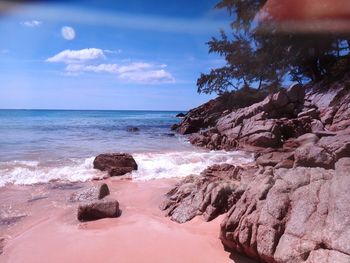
115 164
293 206
273 215
332 101
210 194
292 215
201 117
265 124
318 108
90 194
274 127
105 208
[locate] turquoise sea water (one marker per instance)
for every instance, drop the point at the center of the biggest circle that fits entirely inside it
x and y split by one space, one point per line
44 145
57 134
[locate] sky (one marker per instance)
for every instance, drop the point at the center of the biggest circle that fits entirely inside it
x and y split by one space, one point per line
115 55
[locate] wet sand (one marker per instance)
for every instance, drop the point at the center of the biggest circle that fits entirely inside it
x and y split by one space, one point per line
40 225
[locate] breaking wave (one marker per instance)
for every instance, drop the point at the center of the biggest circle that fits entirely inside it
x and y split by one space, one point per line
150 166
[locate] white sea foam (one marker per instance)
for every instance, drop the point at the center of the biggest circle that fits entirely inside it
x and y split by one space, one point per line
31 172
150 166
181 164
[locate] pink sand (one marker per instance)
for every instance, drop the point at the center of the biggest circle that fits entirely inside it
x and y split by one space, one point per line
51 232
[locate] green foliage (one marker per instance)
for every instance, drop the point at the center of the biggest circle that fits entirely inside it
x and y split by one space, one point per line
259 55
245 96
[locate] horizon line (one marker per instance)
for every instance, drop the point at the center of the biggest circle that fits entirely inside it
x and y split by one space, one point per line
32 109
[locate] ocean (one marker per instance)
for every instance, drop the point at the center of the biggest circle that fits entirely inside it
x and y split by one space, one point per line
39 146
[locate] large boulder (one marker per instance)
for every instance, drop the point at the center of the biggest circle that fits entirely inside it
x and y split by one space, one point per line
274 158
190 126
115 164
313 156
132 129
180 115
201 117
322 152
291 216
96 192
338 145
332 101
343 166
210 194
94 210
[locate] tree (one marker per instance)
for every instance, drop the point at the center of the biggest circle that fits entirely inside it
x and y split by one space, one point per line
259 54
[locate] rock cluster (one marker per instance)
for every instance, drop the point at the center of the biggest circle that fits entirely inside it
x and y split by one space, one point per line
278 126
210 194
94 204
292 215
265 124
322 109
273 215
292 205
115 164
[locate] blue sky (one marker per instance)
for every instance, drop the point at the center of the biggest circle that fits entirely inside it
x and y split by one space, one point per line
131 54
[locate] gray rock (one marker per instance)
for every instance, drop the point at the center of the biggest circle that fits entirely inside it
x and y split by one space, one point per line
317 126
312 113
342 167
310 155
132 129
210 194
115 163
292 216
89 194
307 138
94 210
274 158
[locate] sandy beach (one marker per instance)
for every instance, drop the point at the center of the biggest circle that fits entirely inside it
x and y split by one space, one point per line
41 226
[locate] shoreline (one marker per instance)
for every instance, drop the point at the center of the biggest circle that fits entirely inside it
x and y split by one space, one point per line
175 163
141 234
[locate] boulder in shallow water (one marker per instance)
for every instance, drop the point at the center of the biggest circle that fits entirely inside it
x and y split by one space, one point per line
90 194
115 163
105 208
132 129
180 115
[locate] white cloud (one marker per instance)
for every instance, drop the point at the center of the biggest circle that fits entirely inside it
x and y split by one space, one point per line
86 60
77 56
136 66
108 51
32 23
68 32
138 72
148 77
101 68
